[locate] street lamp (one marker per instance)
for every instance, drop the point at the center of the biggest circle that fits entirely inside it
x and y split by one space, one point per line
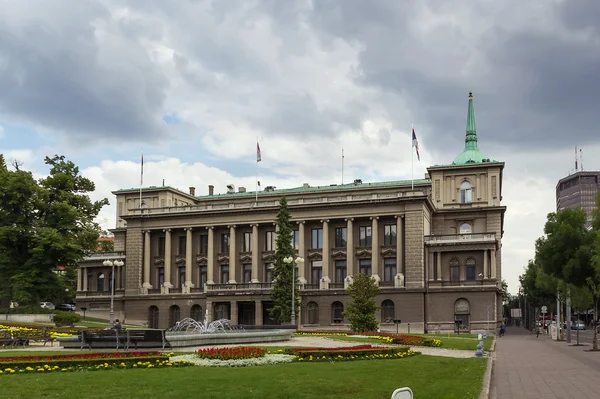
289 260
112 264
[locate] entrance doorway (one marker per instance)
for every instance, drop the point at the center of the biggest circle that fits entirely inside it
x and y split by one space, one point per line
246 313
462 313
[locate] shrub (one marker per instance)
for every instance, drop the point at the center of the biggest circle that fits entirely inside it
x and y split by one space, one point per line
30 309
69 318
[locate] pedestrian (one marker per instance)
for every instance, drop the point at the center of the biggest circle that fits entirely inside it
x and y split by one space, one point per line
502 329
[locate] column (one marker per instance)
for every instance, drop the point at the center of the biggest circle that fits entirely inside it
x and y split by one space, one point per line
349 252
255 253
258 313
399 248
209 304
485 264
325 256
168 248
78 279
188 261
232 256
210 262
147 260
85 279
302 254
375 248
493 263
233 312
439 266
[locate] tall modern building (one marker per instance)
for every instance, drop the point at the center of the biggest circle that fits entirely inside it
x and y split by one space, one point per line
433 248
578 191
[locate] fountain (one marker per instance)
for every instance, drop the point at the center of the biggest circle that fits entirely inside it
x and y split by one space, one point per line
191 326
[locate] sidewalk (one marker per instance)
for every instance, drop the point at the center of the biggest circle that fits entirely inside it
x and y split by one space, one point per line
530 367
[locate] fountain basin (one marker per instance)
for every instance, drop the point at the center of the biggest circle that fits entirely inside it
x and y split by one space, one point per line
178 340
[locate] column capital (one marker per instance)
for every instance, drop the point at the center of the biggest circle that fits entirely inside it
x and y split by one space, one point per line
374 218
166 230
301 222
399 217
349 219
231 226
254 224
324 220
210 227
188 228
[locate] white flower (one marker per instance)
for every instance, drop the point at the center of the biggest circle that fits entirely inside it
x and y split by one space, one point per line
257 361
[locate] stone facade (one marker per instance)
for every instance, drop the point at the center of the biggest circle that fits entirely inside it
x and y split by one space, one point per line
432 245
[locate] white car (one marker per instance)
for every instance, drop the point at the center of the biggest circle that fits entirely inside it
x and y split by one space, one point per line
47 305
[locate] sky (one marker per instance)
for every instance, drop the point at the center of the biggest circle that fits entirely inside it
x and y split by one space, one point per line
193 84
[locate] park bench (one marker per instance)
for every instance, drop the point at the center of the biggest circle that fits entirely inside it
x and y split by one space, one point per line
24 337
6 338
136 336
123 338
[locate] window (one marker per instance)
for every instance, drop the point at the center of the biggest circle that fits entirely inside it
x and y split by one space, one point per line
389 269
337 312
247 268
203 276
470 269
204 244
161 246
174 315
454 270
388 311
268 272
312 313
224 274
364 266
160 276
364 236
341 237
181 272
225 242
317 238
465 193
153 314
247 242
100 282
295 239
182 245
222 311
465 228
389 234
196 313
270 241
316 271
340 271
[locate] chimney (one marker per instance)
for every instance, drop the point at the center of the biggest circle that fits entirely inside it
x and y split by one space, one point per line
193 191
211 189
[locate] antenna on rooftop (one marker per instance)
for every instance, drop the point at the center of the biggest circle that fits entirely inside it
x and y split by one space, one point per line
342 165
581 159
576 168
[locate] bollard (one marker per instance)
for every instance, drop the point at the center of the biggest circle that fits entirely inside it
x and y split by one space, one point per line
479 352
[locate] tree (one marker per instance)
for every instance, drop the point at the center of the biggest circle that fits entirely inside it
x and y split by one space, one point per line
282 271
593 281
361 311
505 293
581 300
107 246
44 224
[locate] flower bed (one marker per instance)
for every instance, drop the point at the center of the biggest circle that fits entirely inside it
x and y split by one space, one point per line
239 352
78 356
111 365
269 358
398 339
351 353
36 331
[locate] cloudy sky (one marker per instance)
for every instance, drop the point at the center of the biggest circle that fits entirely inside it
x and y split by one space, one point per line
194 83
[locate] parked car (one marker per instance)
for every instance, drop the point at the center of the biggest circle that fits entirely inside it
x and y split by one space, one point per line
578 325
68 307
47 305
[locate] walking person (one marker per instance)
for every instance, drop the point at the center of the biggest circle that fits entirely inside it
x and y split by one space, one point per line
502 329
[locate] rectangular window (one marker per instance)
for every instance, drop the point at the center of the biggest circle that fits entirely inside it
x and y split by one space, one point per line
340 271
389 234
268 273
364 266
181 277
296 239
364 236
204 244
247 267
224 274
317 238
470 272
316 271
161 276
181 245
389 269
270 241
203 276
454 273
161 246
341 237
225 242
247 242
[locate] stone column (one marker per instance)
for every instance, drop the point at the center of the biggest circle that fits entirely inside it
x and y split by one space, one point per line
349 252
79 279
147 260
399 249
85 279
375 248
232 255
302 254
258 313
168 248
210 262
493 264
439 266
255 254
485 264
209 308
325 256
233 312
188 261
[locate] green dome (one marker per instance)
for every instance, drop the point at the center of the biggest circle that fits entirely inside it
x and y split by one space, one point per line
471 153
470 156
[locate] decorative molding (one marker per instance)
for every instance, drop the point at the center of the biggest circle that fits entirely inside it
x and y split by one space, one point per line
159 260
494 190
437 190
349 219
166 230
338 253
388 251
201 259
374 217
223 258
231 226
462 306
324 220
315 254
268 256
180 260
245 256
363 252
301 222
210 227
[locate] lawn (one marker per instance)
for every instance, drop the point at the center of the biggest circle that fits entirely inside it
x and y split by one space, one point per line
454 378
447 343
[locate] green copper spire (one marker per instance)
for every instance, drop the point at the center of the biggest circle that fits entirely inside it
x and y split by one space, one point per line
471 153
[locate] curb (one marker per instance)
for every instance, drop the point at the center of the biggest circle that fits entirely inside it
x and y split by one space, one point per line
487 376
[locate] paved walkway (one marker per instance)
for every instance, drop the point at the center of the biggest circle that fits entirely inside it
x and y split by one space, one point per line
530 367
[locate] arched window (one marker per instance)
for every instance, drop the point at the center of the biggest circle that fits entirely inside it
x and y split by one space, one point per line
465 193
153 317
471 269
312 313
454 269
100 282
465 228
196 312
337 312
388 311
174 315
462 313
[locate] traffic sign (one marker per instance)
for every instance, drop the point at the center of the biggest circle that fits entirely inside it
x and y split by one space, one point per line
544 309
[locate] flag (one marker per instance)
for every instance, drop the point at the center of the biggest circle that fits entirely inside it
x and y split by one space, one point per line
415 143
258 158
142 171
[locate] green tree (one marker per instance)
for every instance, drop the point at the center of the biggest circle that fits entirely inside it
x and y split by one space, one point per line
593 281
581 300
282 271
107 246
44 224
361 311
505 293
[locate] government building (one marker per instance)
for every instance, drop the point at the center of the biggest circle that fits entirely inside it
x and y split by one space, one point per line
432 245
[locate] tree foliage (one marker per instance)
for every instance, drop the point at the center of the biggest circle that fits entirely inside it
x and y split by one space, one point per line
361 311
283 272
44 224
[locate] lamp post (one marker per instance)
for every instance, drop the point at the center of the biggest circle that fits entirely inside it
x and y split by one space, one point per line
112 264
289 260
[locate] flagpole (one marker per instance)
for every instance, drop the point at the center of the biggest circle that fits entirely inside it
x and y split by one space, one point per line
342 165
256 183
412 158
141 180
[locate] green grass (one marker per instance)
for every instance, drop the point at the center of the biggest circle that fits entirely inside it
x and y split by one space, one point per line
447 343
356 339
454 378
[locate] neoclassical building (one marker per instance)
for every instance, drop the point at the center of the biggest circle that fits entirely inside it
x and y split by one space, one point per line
434 249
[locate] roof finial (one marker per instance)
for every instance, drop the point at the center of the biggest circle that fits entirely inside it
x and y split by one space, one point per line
471 139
